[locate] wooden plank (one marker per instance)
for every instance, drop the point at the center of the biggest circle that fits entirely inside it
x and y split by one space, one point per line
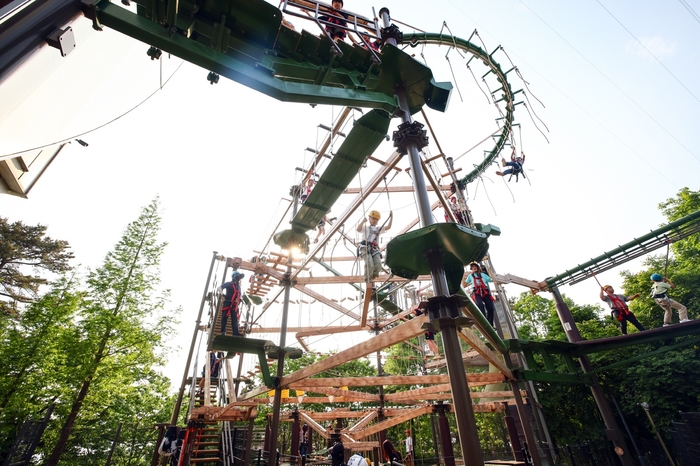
324 300
369 417
343 395
365 306
391 422
395 335
314 425
480 347
361 446
413 394
334 414
478 379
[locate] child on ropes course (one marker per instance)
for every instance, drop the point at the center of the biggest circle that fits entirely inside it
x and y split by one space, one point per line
482 295
369 245
232 298
659 291
619 309
515 164
336 33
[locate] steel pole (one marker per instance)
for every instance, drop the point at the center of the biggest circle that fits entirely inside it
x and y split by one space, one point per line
277 403
178 402
613 432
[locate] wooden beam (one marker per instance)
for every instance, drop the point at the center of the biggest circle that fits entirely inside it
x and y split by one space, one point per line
326 301
341 395
480 347
342 279
365 306
478 379
361 446
369 417
414 394
314 425
395 335
391 422
335 414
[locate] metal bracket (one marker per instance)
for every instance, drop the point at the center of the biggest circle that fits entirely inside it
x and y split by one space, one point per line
410 134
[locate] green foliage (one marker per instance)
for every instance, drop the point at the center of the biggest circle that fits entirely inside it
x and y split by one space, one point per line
93 347
25 251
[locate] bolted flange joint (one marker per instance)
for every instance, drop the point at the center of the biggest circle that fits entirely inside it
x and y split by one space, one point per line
391 32
409 134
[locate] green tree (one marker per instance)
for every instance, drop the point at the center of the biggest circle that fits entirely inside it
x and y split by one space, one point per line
25 251
122 328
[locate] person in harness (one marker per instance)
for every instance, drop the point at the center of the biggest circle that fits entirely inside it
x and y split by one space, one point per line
232 298
515 164
659 291
482 295
336 33
458 210
369 245
619 309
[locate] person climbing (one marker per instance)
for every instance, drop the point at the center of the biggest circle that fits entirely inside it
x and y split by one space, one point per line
659 291
321 227
215 361
619 309
232 298
369 245
515 164
391 454
429 336
334 17
482 295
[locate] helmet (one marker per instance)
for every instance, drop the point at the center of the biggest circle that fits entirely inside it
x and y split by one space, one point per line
656 277
236 275
375 214
605 287
453 199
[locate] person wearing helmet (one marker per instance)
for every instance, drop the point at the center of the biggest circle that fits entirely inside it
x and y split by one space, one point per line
232 298
659 291
369 245
619 309
482 295
515 164
458 210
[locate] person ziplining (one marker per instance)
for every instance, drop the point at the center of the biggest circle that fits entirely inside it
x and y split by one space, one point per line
369 245
619 309
516 166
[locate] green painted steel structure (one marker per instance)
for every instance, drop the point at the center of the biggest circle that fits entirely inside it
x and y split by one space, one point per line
244 40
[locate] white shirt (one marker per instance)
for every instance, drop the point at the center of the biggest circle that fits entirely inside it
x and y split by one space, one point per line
409 444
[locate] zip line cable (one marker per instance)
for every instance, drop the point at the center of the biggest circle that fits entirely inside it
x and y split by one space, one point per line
613 83
692 12
649 51
97 127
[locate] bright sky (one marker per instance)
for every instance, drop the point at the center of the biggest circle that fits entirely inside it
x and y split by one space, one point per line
618 80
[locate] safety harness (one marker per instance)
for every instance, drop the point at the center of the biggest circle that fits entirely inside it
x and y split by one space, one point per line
619 307
480 287
235 300
517 168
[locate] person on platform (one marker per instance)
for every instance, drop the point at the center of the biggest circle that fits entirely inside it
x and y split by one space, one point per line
659 291
232 298
336 32
482 294
215 361
619 309
369 245
304 441
337 451
457 210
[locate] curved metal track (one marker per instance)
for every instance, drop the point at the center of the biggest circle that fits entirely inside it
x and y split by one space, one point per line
507 96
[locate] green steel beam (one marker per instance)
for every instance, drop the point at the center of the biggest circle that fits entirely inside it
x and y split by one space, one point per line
244 40
507 95
655 239
551 377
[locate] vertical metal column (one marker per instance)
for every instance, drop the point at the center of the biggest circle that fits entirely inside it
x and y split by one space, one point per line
178 402
464 413
296 429
448 453
612 431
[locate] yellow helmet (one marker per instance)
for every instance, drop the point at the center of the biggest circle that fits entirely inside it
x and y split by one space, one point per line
605 287
375 214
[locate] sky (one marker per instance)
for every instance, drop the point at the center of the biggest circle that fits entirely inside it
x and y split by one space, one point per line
617 80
